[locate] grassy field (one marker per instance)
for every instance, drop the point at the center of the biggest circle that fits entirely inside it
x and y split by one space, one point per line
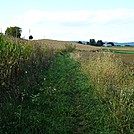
58 87
60 44
126 53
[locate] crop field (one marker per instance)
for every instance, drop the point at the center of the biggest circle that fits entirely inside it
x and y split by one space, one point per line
59 43
58 87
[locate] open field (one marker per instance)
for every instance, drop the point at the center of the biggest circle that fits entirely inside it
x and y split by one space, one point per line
60 90
126 58
125 53
60 44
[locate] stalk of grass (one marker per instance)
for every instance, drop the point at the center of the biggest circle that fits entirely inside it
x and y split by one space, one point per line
114 87
10 55
69 47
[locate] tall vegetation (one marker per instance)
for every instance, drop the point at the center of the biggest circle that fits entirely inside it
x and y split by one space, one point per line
99 43
113 87
92 42
30 89
11 56
43 90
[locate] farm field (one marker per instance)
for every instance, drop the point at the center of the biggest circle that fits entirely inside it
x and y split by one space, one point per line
58 87
125 53
60 44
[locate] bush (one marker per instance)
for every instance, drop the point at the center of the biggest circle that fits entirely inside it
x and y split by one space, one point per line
69 48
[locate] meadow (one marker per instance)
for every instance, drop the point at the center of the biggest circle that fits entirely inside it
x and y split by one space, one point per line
58 87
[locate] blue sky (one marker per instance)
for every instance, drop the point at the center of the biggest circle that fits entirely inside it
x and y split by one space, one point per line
109 20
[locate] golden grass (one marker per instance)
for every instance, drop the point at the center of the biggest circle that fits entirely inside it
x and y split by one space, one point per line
126 58
112 81
120 48
89 52
106 68
107 71
61 44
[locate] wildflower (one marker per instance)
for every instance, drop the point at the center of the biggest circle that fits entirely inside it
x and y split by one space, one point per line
54 89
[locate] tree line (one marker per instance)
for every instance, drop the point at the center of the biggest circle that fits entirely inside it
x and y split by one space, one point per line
15 32
92 42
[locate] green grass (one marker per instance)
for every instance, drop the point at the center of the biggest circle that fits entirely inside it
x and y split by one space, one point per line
52 93
47 105
124 52
115 50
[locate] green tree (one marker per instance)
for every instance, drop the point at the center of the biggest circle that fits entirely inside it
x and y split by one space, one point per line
30 37
13 31
100 43
92 42
111 43
80 42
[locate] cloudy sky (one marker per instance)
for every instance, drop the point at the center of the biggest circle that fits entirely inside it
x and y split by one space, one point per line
108 20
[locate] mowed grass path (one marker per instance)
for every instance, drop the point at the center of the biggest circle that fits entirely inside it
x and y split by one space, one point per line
51 105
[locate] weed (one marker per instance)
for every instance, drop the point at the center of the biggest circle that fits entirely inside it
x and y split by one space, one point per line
113 86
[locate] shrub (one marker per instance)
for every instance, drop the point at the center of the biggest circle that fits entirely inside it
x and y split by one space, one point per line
69 48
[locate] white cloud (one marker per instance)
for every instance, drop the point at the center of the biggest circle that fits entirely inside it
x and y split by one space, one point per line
111 24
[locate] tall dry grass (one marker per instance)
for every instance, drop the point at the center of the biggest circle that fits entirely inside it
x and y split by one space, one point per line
113 84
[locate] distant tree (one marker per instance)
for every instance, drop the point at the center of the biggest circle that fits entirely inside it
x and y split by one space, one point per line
13 31
127 45
99 43
80 42
92 42
111 43
87 43
30 37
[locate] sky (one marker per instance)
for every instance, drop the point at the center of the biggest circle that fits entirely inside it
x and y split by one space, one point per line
70 20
